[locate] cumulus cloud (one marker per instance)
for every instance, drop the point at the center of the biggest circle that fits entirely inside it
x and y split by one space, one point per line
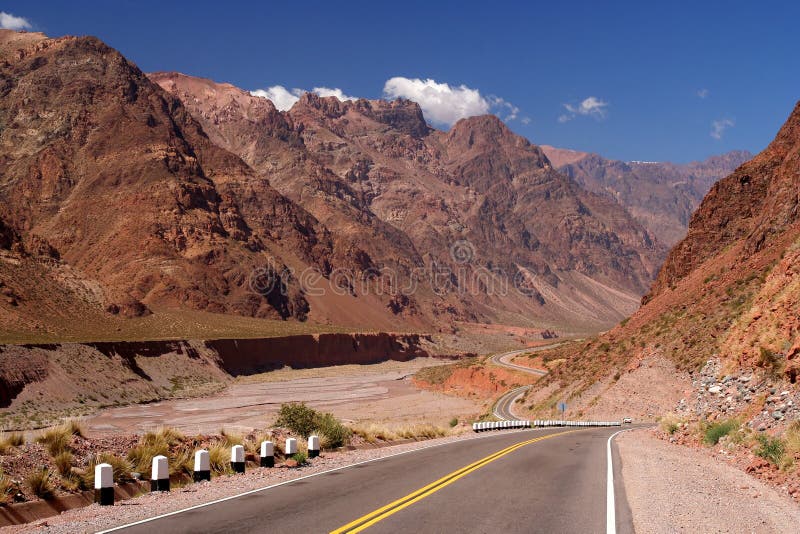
10 22
591 106
440 102
718 127
702 93
284 98
445 104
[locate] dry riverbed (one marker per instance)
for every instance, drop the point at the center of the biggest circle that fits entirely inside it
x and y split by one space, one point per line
381 393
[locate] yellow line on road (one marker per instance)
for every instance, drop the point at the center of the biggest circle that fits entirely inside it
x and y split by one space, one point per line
382 513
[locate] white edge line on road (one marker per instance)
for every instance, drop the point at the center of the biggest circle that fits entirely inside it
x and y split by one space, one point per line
611 507
257 490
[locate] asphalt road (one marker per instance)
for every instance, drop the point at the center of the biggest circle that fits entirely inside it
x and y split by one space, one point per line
555 484
502 408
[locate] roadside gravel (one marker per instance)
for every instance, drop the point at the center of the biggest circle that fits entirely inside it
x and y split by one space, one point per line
673 488
95 518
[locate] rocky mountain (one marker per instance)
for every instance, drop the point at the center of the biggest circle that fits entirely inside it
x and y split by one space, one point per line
134 195
469 209
723 310
101 165
660 195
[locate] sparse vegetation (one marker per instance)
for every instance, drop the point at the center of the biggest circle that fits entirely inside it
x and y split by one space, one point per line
304 421
9 442
713 432
56 439
7 489
64 462
770 361
300 457
771 449
40 484
454 420
219 457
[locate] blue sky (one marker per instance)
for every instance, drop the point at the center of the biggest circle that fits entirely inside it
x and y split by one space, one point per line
673 81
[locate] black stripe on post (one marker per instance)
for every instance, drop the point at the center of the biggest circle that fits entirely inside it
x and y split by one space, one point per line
104 496
238 467
199 476
159 485
313 453
267 461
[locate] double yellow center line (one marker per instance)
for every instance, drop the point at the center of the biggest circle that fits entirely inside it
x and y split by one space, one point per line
382 513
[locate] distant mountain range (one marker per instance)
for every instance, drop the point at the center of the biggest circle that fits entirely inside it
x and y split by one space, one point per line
124 194
660 195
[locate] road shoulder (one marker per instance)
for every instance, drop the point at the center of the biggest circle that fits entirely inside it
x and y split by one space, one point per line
671 488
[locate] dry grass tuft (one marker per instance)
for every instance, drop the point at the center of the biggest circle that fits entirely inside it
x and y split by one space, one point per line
40 484
7 443
64 462
7 489
56 439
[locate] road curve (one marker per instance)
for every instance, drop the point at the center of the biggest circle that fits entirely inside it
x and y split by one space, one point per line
543 480
502 408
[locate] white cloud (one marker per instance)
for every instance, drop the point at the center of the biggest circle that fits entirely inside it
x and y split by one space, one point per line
702 93
284 99
526 120
338 93
10 22
718 127
440 103
591 106
443 104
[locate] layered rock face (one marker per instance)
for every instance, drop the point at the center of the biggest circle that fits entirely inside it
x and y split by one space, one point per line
465 207
116 176
660 195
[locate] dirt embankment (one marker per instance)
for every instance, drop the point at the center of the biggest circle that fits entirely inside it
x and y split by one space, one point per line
39 383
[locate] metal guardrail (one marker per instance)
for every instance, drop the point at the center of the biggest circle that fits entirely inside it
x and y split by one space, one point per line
485 426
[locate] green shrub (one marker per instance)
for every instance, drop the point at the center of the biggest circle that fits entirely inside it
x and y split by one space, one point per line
304 421
39 484
298 418
715 431
770 449
332 432
300 457
454 421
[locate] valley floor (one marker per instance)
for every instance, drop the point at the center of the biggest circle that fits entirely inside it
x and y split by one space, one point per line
354 393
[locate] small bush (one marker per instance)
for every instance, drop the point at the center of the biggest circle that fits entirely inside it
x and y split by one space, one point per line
40 485
454 421
669 424
715 431
64 462
771 449
300 457
298 418
332 432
